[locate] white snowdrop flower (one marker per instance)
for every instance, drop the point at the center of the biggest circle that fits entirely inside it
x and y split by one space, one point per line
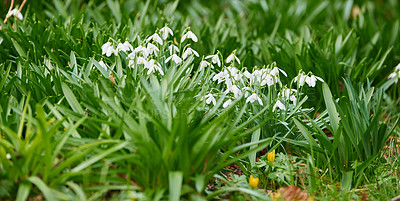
155 37
190 35
279 105
8 156
111 51
293 99
257 75
131 63
204 64
143 50
235 73
122 47
227 103
105 47
173 48
247 91
128 45
152 66
214 59
396 73
102 64
228 83
311 80
175 58
220 77
165 31
300 79
142 60
132 55
253 98
236 91
189 51
15 12
158 68
210 98
152 49
275 72
392 75
248 75
232 57
267 80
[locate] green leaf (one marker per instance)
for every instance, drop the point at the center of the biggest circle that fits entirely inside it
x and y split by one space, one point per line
175 185
19 49
73 102
48 194
347 178
330 105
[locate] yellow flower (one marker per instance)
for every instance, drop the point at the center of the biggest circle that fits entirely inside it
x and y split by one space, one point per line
271 156
253 182
275 196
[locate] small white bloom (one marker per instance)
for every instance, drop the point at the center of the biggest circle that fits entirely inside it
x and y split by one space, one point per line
16 13
152 49
227 103
275 72
8 156
300 79
236 91
279 105
173 48
175 58
253 98
231 58
143 50
392 75
131 63
165 31
131 55
155 37
128 45
189 51
311 80
248 75
247 91
214 59
142 60
122 47
190 35
204 64
152 66
105 47
293 99
111 51
267 80
220 77
210 98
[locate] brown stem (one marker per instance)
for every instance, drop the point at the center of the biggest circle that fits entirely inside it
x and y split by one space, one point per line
9 10
22 5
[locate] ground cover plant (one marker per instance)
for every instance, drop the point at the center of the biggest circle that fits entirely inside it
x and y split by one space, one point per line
199 100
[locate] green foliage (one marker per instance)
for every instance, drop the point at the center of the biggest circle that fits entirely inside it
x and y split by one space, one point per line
71 129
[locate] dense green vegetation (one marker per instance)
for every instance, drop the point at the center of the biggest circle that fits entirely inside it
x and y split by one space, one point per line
239 99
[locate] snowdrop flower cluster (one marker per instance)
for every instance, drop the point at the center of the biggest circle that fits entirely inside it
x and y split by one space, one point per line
108 48
240 83
288 94
396 73
15 12
149 54
311 80
157 52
